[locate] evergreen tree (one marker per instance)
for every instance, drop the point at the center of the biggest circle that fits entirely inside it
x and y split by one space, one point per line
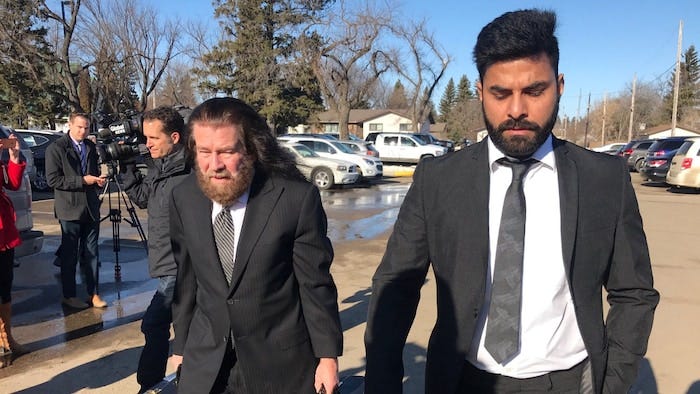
397 99
448 100
257 60
464 89
688 95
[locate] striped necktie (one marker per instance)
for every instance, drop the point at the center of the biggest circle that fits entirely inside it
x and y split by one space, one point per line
225 242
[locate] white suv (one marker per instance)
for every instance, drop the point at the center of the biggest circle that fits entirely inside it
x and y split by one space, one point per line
404 148
370 167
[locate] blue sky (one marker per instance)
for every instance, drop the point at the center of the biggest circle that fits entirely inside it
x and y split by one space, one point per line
602 43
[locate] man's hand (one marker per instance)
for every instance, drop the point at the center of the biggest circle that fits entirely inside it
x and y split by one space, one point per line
327 375
175 360
92 180
14 151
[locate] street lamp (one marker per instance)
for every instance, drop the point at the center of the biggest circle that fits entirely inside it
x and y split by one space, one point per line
63 14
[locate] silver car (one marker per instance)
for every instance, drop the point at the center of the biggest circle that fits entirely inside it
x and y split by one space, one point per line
322 171
32 241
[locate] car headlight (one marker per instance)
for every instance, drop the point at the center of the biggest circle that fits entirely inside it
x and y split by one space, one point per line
368 161
342 168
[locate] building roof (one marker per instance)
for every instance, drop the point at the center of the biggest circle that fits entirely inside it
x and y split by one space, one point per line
665 127
359 115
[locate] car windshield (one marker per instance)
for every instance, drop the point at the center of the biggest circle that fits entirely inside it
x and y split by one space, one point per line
342 147
304 151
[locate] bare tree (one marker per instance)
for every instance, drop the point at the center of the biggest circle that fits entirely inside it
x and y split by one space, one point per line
43 66
146 42
177 87
344 56
421 62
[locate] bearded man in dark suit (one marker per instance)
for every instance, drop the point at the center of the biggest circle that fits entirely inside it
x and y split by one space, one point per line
255 308
523 230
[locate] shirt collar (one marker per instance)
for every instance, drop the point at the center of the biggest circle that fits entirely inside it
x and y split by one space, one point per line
240 203
544 154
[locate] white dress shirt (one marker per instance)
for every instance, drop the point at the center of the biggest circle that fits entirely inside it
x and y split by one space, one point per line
550 338
237 210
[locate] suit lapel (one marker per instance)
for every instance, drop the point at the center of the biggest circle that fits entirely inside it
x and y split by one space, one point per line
568 200
261 202
480 176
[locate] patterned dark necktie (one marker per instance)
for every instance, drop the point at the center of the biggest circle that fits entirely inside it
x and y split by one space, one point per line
503 328
83 157
224 236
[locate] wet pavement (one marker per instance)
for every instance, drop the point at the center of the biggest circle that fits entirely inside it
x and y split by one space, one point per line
97 349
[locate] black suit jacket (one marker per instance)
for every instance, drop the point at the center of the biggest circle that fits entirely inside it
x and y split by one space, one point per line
281 307
73 199
444 220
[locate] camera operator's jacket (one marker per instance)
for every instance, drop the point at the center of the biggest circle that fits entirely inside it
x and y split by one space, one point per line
153 192
74 200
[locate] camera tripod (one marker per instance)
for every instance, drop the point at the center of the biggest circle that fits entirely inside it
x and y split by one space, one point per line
115 216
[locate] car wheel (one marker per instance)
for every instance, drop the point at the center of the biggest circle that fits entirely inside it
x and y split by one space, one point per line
39 183
323 178
639 164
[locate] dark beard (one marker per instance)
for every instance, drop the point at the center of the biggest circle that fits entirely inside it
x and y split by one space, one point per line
520 147
227 194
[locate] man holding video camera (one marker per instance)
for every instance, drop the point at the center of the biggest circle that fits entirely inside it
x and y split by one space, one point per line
164 130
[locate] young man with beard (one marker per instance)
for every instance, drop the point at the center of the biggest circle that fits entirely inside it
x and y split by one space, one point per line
165 134
256 307
522 230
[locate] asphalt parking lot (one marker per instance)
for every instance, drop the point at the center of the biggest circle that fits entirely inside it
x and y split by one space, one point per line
97 350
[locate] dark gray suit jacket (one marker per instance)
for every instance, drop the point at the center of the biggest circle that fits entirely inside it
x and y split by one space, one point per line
281 306
444 220
73 199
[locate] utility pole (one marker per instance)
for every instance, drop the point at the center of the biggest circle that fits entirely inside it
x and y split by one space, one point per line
634 92
602 129
588 119
677 81
578 116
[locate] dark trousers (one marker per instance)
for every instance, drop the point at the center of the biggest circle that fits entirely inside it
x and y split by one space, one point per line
155 327
7 259
475 380
230 378
79 236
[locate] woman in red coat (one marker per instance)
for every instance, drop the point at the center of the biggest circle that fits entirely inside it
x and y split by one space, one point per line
11 178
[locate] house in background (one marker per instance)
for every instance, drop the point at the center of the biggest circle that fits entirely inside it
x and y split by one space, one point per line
365 121
664 131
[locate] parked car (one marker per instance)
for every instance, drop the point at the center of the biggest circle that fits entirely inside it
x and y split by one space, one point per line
430 139
658 158
369 166
403 147
32 241
323 172
38 141
351 137
685 165
635 152
324 136
362 147
610 148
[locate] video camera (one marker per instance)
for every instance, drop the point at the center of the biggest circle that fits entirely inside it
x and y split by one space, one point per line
118 139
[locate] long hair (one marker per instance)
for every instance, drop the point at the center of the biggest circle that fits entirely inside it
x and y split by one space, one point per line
257 137
517 35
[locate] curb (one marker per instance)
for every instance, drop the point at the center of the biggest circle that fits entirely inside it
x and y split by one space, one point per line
399 171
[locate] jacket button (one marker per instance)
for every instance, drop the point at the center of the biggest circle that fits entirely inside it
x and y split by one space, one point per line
230 302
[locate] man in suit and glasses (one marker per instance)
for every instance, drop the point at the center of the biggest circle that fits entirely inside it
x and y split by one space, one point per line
523 231
255 307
